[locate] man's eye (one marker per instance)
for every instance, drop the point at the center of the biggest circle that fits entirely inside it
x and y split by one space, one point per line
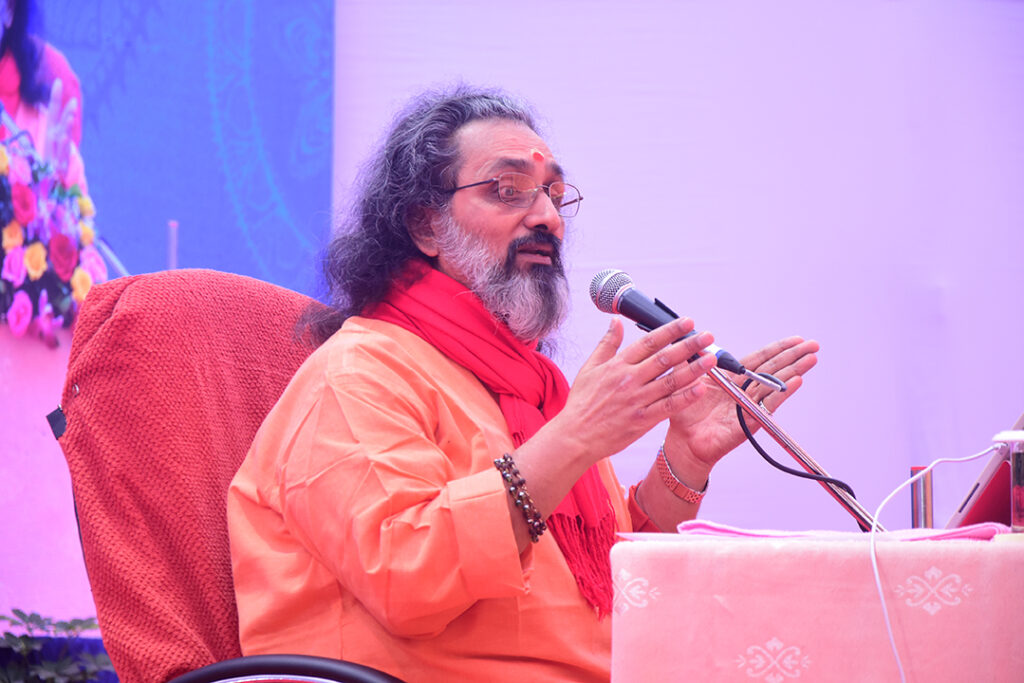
507 192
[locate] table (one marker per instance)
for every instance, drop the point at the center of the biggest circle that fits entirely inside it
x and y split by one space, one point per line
709 608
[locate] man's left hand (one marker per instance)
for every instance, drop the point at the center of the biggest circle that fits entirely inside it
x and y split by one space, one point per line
708 429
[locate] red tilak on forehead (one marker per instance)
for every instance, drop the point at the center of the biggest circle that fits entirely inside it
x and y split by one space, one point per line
537 155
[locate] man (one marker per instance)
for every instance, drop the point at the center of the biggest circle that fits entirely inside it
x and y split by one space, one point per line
429 497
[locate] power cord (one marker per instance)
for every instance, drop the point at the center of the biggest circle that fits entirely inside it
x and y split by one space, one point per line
874 533
788 470
874 526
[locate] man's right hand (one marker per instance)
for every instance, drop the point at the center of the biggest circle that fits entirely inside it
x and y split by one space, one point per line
619 396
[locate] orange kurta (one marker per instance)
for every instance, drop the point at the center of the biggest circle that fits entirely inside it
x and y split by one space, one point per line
368 523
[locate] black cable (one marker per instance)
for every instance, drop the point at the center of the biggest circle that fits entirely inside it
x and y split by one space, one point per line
788 470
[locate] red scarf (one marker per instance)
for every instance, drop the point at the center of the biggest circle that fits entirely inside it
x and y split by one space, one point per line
531 390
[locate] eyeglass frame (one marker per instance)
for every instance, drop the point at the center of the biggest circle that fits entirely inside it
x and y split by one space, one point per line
546 188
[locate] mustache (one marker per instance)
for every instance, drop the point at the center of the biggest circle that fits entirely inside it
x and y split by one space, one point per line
538 238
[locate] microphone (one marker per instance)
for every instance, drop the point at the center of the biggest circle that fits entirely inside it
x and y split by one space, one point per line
613 291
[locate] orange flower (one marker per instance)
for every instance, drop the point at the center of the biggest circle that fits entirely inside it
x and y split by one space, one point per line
14 236
5 161
35 260
85 233
81 283
85 206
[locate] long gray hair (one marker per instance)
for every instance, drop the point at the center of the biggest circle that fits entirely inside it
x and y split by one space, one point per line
410 172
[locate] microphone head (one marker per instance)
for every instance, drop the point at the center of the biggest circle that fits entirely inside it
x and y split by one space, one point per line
606 287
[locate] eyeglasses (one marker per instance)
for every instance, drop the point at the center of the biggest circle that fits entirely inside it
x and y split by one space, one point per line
520 190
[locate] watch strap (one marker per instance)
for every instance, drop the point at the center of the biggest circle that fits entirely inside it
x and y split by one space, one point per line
677 487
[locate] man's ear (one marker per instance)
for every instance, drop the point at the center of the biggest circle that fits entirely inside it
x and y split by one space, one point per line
421 221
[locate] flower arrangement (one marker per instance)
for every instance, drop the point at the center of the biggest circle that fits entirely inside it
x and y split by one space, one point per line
48 258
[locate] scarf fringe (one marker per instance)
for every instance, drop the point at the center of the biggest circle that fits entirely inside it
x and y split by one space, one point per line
586 549
531 390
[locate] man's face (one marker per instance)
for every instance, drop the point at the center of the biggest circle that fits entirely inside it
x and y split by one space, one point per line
509 256
486 148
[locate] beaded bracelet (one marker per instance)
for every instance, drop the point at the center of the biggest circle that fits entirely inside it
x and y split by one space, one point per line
517 489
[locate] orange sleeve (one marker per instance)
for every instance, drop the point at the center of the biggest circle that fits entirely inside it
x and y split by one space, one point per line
391 489
641 522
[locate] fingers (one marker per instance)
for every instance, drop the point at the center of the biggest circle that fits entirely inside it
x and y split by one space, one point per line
56 93
788 360
652 342
53 109
676 389
652 377
761 357
792 355
68 115
665 349
776 398
659 365
607 347
677 400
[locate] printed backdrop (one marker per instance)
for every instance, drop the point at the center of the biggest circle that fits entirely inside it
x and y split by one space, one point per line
214 114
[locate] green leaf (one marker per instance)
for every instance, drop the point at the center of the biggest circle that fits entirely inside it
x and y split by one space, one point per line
64 669
23 645
102 662
14 672
36 621
27 664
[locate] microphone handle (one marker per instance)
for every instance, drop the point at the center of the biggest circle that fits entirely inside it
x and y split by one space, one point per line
639 309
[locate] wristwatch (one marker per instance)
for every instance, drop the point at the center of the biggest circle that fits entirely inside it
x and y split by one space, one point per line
677 487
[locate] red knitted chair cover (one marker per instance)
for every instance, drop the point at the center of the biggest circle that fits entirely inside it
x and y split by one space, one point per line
169 376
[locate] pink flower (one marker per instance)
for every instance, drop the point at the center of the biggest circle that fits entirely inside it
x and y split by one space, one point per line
20 172
19 315
93 263
14 270
63 255
24 201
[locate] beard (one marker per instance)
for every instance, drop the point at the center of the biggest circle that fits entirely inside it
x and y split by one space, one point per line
531 302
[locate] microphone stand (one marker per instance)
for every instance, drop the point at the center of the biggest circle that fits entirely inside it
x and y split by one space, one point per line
764 418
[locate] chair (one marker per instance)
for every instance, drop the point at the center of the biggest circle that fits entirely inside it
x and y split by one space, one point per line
170 374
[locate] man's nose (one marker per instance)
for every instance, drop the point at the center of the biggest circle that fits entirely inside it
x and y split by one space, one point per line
543 216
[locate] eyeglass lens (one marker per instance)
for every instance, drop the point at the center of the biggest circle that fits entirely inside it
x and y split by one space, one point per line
519 189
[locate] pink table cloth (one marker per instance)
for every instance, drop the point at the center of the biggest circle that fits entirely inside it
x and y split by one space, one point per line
720 604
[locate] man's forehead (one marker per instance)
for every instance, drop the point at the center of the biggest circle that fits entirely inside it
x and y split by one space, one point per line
525 164
489 145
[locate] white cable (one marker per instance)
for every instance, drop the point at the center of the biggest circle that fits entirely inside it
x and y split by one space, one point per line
874 554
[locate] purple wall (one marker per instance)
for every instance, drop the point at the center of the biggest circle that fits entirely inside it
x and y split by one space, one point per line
850 172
